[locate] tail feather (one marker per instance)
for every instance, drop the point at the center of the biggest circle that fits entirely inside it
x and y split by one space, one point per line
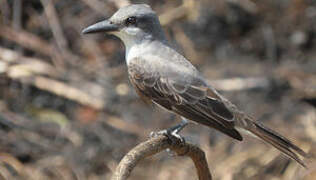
277 140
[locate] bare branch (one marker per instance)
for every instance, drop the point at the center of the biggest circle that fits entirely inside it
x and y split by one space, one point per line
176 13
27 40
98 6
32 71
156 145
121 3
54 23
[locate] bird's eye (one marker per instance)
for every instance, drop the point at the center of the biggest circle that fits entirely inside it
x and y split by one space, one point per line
130 21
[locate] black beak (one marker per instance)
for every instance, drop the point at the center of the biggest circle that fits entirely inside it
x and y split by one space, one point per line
103 26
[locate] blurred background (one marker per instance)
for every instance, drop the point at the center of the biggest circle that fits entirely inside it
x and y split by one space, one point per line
67 110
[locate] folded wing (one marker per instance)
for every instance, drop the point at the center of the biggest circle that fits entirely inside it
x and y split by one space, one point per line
185 94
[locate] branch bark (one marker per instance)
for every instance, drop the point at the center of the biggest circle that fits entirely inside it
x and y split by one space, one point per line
157 144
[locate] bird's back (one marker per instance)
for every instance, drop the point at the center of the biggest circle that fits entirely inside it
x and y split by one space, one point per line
157 57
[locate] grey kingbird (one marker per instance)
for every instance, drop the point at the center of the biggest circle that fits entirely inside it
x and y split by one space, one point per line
164 77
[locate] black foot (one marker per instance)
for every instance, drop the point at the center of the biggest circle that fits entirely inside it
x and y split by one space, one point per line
173 132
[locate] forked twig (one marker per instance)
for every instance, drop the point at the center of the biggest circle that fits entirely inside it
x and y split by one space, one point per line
157 144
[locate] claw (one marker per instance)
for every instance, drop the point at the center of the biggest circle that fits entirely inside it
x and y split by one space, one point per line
162 132
177 136
173 132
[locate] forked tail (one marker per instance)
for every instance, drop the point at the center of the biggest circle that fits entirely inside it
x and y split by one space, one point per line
276 140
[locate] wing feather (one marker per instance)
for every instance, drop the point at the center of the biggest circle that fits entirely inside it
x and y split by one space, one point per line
187 96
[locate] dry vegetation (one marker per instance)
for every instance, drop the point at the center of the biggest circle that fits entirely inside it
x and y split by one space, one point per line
68 112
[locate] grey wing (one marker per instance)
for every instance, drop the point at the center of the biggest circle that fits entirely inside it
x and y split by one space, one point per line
187 96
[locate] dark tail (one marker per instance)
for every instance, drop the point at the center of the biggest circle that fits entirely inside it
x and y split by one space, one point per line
277 140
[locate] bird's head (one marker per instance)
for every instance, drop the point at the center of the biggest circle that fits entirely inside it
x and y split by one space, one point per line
133 24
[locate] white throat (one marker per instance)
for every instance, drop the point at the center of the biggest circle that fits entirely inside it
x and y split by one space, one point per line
135 42
134 50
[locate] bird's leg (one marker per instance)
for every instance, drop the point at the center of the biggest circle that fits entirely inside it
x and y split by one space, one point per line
173 132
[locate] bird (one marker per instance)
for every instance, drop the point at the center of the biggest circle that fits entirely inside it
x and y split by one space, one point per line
162 76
